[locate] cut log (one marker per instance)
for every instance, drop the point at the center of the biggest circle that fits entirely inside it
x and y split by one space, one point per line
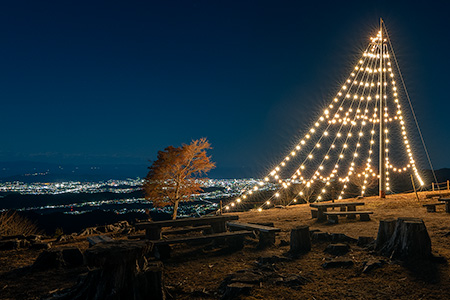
410 240
337 249
119 270
385 232
300 240
363 241
58 258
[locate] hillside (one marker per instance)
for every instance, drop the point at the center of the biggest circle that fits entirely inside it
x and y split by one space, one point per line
196 272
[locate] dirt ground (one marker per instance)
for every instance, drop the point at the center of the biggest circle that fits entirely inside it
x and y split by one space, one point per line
197 272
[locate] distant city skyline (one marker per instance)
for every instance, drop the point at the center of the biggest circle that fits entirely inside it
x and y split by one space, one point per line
113 83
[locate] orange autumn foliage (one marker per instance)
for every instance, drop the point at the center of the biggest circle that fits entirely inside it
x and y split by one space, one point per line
177 174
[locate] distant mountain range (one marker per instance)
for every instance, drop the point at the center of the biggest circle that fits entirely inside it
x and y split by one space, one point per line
29 171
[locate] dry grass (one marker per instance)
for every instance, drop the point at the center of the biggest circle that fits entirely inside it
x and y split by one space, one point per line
393 281
12 223
196 273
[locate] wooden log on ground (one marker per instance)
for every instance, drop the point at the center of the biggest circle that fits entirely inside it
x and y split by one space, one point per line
266 239
300 240
93 240
385 232
410 240
119 270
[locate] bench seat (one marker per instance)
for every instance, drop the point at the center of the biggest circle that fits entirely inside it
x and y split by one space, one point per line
206 228
235 240
333 216
432 195
431 207
266 233
205 238
250 226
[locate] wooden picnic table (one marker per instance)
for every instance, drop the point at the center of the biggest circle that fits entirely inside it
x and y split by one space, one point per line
440 194
323 206
153 229
447 204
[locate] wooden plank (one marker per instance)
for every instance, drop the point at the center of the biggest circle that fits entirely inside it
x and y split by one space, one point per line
433 204
177 231
93 240
253 227
187 222
336 204
136 237
431 195
447 204
344 213
186 229
204 237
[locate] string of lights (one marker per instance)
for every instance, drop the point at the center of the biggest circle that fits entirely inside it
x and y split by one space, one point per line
322 158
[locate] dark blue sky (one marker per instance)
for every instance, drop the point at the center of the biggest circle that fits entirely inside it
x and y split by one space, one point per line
116 81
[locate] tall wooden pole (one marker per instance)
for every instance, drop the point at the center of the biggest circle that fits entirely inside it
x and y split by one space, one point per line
414 187
382 167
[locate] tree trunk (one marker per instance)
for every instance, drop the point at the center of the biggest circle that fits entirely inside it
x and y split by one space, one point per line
119 270
385 232
175 209
410 240
300 240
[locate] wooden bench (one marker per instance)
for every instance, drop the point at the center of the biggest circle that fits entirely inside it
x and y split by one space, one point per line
333 216
266 233
153 229
431 207
204 228
432 195
93 240
323 206
235 240
447 204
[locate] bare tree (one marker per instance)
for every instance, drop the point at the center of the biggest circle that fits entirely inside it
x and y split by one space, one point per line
177 174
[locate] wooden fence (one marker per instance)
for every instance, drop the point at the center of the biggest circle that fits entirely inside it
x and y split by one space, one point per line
440 185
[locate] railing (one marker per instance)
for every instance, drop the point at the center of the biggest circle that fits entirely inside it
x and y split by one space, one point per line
440 185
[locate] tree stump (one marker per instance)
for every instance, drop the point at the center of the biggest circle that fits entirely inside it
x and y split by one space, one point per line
266 239
337 249
119 270
385 232
410 240
300 240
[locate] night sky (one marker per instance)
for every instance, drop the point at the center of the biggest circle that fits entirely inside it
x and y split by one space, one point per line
113 82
